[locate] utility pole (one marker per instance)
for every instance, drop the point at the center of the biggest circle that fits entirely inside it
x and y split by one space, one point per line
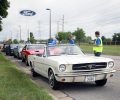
63 24
11 35
49 23
20 32
28 35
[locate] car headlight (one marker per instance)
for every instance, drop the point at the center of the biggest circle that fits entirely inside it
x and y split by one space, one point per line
110 64
62 68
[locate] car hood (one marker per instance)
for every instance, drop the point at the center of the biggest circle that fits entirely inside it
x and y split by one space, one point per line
76 59
35 51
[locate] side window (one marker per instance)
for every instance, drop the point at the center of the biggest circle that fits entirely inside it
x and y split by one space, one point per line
41 52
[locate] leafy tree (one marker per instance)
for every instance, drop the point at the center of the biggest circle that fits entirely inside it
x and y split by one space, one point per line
15 41
4 5
104 39
88 39
32 39
9 41
80 35
63 36
22 41
116 37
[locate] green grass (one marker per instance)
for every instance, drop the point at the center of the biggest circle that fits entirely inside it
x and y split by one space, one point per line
16 85
107 49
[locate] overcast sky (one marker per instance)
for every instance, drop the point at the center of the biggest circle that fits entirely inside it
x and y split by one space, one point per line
91 15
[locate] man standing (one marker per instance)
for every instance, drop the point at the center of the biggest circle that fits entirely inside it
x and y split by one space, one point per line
98 44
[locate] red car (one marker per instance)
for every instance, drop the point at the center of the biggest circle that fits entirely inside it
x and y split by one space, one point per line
31 49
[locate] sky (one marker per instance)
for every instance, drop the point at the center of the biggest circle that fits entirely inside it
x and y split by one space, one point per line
91 15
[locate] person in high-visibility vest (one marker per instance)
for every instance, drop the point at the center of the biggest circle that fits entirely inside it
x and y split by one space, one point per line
98 48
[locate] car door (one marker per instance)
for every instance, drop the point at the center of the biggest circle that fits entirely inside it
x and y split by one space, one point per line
38 59
44 65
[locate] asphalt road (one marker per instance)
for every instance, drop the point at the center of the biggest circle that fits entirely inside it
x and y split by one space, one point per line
81 91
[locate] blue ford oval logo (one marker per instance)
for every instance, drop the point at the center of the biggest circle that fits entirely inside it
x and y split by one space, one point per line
27 13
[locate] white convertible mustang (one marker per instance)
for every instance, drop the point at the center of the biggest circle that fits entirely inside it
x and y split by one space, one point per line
67 63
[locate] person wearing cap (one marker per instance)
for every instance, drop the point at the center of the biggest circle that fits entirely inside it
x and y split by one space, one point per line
98 48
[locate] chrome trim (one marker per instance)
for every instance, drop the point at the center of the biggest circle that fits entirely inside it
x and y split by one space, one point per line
83 74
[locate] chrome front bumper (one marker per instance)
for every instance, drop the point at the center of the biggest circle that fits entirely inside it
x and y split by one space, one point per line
81 76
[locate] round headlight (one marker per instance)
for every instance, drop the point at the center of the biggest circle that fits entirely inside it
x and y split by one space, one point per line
62 68
110 64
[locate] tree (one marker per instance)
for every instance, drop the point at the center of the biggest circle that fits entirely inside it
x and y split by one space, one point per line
22 41
80 35
4 5
104 39
15 41
63 36
32 39
9 41
116 37
88 39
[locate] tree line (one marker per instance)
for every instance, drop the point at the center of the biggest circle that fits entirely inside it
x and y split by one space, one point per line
79 37
79 34
115 40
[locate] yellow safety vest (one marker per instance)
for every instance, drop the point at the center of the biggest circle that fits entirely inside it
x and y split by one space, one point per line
98 48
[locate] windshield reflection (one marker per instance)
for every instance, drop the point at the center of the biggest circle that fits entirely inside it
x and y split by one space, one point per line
64 50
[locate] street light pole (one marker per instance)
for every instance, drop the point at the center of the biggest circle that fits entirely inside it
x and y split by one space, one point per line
49 23
39 29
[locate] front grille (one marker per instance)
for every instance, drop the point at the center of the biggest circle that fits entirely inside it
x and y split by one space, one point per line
89 66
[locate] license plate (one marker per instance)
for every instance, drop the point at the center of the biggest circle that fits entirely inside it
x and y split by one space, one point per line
90 78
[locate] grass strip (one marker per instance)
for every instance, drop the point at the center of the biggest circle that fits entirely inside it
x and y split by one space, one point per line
107 49
16 85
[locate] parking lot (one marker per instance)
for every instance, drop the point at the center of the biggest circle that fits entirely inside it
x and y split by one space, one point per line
80 91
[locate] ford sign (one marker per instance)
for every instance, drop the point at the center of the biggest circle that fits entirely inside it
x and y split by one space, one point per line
27 13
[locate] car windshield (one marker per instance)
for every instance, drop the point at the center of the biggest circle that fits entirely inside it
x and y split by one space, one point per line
64 50
13 46
21 46
34 47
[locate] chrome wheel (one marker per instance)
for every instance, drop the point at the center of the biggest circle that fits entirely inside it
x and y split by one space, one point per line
54 84
51 80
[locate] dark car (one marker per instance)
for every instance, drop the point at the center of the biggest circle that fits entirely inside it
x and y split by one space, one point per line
9 49
17 51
